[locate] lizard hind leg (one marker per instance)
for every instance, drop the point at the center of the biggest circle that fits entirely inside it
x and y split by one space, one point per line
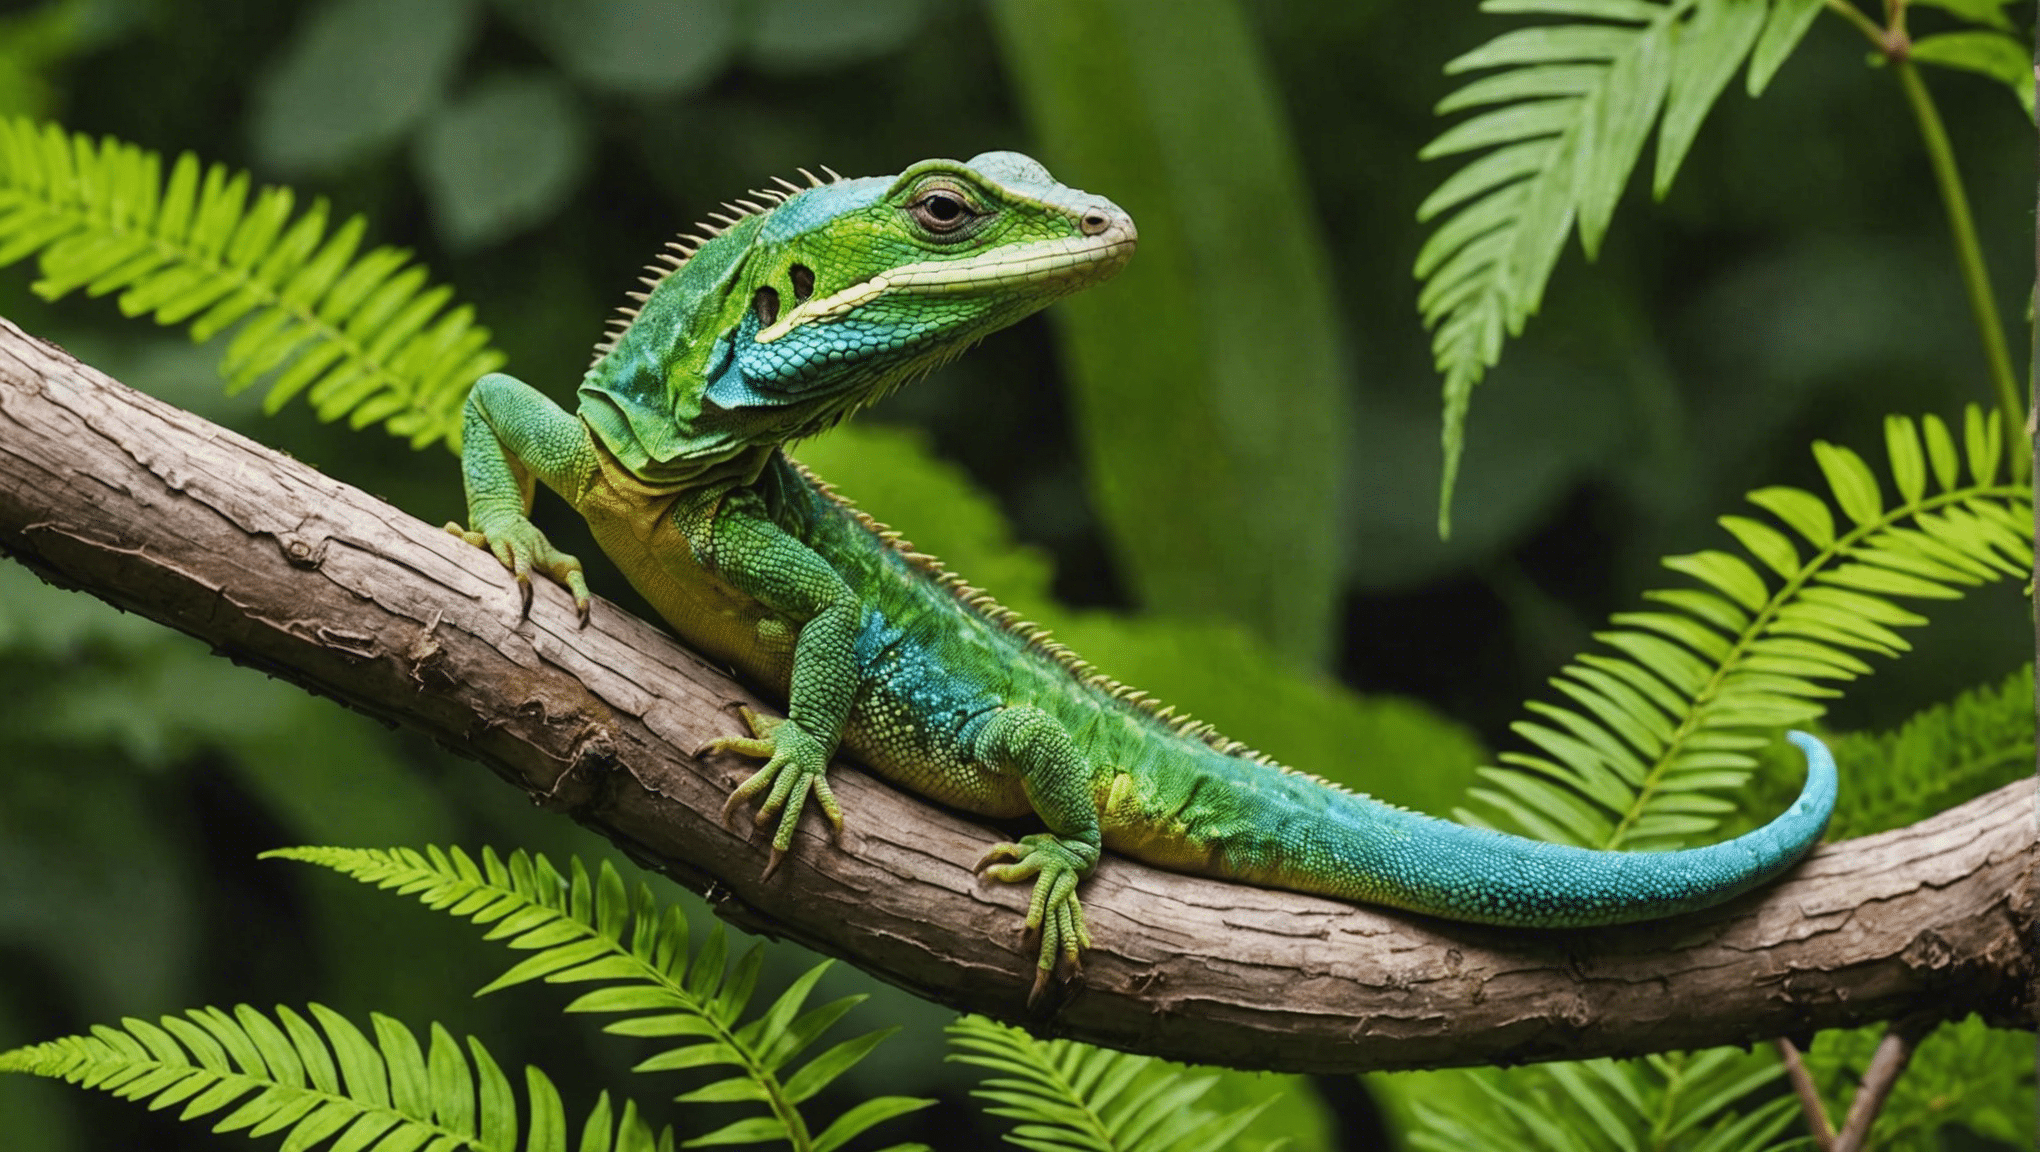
1028 742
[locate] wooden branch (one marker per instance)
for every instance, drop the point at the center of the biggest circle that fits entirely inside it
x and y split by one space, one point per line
279 567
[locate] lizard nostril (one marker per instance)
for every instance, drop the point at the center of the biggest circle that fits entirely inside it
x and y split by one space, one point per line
1095 221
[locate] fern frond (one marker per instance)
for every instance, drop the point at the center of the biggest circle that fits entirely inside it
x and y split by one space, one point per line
1938 758
1963 1075
362 335
580 929
1072 1097
1697 1101
330 1081
1565 119
1661 735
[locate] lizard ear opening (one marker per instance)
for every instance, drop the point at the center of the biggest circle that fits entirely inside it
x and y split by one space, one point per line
765 302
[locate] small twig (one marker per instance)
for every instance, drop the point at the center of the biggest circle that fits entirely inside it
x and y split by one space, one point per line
1809 1096
1893 1053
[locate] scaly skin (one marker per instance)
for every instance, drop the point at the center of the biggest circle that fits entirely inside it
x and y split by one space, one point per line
789 317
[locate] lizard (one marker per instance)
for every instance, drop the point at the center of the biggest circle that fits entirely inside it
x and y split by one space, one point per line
803 303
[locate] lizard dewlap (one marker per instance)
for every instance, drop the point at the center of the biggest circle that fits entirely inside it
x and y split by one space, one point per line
797 307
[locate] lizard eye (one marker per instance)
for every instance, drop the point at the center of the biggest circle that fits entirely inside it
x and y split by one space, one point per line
941 211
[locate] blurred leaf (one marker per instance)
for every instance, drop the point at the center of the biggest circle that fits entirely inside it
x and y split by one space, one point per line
1989 12
1787 24
1295 1113
814 35
355 78
1991 54
1395 748
1208 380
502 157
632 47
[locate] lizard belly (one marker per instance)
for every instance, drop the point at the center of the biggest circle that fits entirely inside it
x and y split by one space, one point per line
634 525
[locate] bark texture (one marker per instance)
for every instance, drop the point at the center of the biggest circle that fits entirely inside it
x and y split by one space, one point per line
282 568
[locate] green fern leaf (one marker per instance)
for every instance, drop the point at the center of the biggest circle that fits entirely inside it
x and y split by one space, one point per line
360 335
1566 119
1660 744
314 1085
582 928
1712 1101
1939 757
1071 1097
1963 1075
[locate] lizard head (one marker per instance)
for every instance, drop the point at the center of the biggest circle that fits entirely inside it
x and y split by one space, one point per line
789 318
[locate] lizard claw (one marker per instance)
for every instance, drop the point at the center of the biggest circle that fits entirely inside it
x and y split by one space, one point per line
796 767
1055 865
518 545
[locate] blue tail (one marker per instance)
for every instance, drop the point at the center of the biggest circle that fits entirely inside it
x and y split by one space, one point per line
1384 855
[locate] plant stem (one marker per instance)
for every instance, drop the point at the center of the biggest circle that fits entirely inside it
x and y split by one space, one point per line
1969 253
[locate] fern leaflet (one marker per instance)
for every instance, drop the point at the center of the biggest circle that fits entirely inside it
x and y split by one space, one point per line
582 929
1662 740
291 1077
1072 1097
1565 123
362 335
1938 758
1688 1100
1963 1075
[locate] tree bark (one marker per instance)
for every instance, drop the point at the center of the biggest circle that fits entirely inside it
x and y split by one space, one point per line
284 569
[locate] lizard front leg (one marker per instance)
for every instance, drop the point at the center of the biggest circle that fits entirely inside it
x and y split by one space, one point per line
732 536
1033 744
510 435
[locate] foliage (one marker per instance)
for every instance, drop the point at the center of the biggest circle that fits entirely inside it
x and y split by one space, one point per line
1566 120
1708 1101
1962 1075
581 929
1178 387
387 1093
1940 757
1567 108
1663 739
1071 1097
361 334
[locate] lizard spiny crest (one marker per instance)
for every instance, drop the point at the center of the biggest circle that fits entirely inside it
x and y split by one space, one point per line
679 250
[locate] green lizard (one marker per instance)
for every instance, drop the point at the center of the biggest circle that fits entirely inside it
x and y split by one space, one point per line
805 304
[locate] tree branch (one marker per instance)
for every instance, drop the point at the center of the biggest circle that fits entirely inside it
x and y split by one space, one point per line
279 567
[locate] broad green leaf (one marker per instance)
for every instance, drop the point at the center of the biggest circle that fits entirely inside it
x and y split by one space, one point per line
636 48
502 157
1177 387
817 35
356 75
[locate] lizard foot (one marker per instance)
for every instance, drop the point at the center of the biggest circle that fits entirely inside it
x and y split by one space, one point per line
796 765
523 549
1054 912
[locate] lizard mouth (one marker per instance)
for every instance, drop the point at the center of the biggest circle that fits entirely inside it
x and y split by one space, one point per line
1069 263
